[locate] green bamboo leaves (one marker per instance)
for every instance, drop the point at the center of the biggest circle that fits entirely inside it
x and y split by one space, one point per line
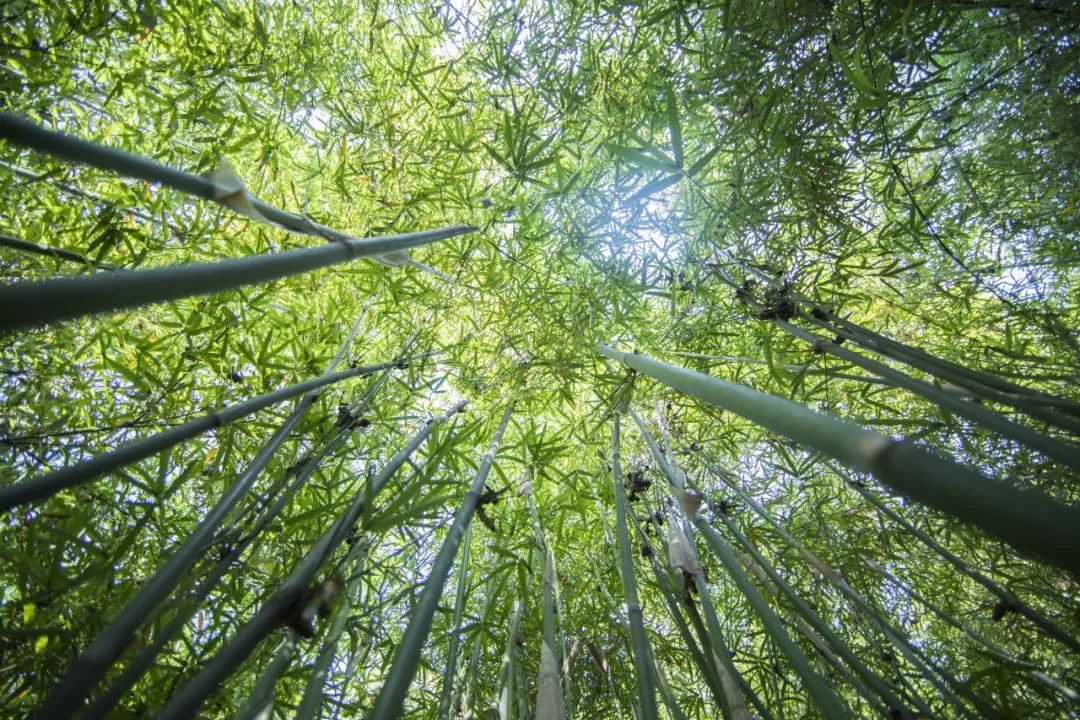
1026 519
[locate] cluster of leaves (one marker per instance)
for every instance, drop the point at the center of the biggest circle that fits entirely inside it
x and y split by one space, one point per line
913 165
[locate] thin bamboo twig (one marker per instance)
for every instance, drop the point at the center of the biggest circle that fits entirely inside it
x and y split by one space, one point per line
186 702
391 698
642 654
44 485
260 701
1026 519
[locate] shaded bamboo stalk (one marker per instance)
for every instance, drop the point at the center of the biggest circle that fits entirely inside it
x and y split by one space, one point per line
1052 447
1027 519
391 698
504 706
705 662
945 683
984 384
260 701
239 544
551 703
31 304
712 636
312 700
454 641
67 696
984 643
893 707
549 697
44 485
822 696
1010 600
275 611
642 654
34 248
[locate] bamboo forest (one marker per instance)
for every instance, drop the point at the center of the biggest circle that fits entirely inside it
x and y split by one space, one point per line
540 359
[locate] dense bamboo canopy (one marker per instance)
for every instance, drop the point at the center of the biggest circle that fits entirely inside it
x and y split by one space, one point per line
519 359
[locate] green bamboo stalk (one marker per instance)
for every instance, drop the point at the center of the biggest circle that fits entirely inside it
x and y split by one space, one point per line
827 573
312 700
826 700
260 701
44 485
391 698
712 636
1052 447
1012 601
986 384
145 659
508 669
984 643
31 304
58 253
454 641
947 685
23 133
549 697
894 706
186 702
704 661
642 671
1026 519
67 696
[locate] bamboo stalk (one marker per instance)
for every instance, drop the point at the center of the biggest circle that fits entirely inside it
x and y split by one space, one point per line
947 685
1052 447
981 382
454 641
1026 519
705 661
642 653
391 698
58 253
312 700
894 706
145 659
260 701
44 485
67 696
712 638
31 304
186 702
23 133
826 700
